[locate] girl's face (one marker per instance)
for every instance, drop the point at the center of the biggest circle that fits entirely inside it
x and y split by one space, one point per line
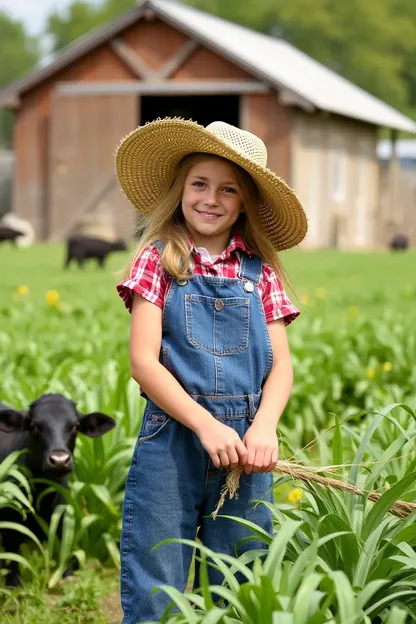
211 203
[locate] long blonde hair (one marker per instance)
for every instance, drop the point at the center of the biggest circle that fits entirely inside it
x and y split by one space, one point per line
166 223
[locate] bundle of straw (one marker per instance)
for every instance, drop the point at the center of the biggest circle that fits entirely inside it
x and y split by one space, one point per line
301 473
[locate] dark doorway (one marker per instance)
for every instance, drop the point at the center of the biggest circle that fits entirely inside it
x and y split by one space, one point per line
201 108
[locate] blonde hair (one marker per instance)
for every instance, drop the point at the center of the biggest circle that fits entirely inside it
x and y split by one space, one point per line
166 223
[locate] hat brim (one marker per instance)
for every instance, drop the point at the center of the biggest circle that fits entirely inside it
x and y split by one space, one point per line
146 160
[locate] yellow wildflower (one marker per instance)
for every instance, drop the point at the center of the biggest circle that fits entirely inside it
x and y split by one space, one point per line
23 290
387 366
371 373
295 496
352 312
320 293
53 299
305 299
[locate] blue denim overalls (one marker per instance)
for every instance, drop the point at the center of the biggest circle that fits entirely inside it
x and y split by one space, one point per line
216 343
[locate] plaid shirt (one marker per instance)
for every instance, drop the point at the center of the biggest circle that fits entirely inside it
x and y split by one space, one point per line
148 279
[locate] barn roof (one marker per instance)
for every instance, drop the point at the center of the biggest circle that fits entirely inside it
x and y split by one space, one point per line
273 60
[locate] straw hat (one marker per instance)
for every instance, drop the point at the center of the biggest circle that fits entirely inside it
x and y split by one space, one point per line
147 157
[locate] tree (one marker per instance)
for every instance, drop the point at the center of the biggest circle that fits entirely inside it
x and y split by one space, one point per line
81 17
18 54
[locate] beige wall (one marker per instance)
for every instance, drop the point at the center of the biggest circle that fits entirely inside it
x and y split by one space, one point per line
335 173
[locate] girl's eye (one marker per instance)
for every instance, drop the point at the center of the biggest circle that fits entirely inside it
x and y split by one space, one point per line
198 184
230 189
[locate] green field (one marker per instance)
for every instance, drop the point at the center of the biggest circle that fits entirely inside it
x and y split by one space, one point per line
370 280
354 352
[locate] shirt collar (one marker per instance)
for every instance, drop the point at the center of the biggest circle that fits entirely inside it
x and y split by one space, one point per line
235 243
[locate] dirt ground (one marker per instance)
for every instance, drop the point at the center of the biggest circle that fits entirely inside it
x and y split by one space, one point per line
110 607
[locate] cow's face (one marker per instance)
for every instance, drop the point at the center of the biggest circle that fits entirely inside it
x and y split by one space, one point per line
53 423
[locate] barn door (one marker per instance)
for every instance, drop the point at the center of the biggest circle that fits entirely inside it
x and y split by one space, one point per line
84 132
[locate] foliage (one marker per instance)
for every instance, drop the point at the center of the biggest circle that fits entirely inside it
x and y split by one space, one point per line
80 17
354 351
336 558
18 53
87 598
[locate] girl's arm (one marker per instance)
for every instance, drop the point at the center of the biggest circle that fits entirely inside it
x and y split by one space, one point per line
221 442
261 439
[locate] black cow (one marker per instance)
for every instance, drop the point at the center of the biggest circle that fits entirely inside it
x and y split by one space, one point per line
48 431
81 248
399 242
9 234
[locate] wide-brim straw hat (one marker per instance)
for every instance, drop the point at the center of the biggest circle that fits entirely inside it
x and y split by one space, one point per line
146 160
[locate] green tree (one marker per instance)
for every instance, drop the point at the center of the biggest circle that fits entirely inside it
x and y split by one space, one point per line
18 54
81 17
406 9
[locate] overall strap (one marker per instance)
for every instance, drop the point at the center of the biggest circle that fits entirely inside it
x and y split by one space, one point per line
159 245
250 268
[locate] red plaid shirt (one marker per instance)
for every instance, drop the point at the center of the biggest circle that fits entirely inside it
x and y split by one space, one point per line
148 279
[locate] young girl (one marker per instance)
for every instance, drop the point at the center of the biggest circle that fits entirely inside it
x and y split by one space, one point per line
208 345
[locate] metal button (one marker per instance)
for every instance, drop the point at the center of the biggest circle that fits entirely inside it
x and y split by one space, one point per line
219 304
248 286
182 282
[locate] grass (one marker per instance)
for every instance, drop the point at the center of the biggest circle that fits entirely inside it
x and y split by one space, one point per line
360 279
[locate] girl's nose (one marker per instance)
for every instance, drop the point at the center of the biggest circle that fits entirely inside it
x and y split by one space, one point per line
211 199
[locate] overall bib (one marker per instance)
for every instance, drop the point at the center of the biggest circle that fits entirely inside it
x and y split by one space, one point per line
216 344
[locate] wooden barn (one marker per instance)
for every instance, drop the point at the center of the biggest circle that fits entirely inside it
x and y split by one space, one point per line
163 58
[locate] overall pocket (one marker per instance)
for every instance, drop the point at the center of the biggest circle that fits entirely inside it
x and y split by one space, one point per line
153 425
219 326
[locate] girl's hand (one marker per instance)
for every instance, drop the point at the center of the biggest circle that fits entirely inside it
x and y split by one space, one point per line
262 447
223 444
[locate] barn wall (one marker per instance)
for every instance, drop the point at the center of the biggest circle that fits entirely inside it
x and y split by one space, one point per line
265 116
84 133
31 135
206 65
335 174
203 64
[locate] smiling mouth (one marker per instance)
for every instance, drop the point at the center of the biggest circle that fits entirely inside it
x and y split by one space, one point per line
208 216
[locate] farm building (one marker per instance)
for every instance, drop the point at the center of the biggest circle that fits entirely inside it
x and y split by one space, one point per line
166 59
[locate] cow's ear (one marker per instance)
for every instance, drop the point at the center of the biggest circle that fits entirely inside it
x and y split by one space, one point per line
95 424
12 420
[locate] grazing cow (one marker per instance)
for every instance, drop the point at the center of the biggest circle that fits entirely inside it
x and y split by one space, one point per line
81 248
48 431
9 234
399 242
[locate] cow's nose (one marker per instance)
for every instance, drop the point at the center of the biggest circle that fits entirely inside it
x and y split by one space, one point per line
59 459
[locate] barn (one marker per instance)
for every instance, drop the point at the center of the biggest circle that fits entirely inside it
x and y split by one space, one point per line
163 58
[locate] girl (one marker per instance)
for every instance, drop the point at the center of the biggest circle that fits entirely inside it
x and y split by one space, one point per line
208 345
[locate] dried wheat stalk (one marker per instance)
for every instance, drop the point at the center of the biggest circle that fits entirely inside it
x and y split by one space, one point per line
400 508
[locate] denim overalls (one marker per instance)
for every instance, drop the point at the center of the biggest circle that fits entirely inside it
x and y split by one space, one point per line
216 343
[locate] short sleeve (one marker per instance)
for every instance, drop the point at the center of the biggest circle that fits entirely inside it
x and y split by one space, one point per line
276 303
147 278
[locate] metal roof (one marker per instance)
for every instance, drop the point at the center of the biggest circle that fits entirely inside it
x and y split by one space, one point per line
285 67
300 78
